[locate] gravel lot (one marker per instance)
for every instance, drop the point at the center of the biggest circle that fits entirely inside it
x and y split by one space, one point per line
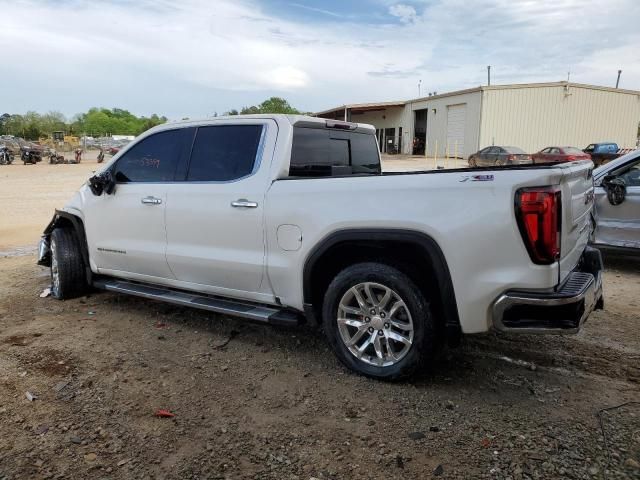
271 403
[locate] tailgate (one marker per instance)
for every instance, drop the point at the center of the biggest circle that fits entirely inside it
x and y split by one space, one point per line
577 201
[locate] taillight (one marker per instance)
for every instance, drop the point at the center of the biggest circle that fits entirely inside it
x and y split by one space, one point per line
511 158
538 212
571 158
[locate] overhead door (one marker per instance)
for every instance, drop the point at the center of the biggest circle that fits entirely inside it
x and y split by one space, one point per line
456 115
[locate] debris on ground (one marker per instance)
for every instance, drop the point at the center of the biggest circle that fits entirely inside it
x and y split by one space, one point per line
30 396
46 292
162 413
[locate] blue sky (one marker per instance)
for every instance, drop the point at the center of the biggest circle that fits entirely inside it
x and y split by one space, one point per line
191 58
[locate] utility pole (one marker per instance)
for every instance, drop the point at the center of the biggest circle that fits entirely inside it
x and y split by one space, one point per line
419 85
488 74
618 80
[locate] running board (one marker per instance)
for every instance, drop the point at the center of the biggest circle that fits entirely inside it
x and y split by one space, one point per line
259 313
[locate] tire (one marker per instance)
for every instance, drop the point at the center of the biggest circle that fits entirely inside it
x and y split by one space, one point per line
67 267
396 359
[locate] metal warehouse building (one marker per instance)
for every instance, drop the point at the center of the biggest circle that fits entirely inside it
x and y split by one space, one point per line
529 116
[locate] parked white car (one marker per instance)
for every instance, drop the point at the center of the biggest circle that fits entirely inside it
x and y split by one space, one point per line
617 204
285 219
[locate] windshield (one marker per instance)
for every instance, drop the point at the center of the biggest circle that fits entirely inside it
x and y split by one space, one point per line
590 148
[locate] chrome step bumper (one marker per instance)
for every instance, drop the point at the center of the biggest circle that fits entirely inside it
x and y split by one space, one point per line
560 311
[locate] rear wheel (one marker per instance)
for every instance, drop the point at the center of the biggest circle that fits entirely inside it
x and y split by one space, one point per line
67 267
378 322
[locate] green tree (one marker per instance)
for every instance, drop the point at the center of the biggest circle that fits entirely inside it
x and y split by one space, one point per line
272 105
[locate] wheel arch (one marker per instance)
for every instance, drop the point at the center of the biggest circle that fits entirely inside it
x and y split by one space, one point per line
409 250
63 219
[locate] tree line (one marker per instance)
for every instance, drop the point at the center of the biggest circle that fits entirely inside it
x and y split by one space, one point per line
98 122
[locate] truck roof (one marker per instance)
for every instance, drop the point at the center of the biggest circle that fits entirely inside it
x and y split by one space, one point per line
294 120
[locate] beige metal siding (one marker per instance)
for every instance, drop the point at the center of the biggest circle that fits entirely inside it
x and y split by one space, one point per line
437 122
535 117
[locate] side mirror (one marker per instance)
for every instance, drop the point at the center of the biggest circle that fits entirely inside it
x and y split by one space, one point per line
616 189
103 182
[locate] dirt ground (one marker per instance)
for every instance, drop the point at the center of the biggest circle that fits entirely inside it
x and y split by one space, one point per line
33 192
259 402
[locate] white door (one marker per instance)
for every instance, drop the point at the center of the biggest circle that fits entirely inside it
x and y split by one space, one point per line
126 230
456 121
215 217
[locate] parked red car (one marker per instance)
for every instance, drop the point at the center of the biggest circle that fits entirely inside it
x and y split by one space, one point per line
559 155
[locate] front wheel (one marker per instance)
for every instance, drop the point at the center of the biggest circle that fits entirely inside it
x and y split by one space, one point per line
68 278
378 322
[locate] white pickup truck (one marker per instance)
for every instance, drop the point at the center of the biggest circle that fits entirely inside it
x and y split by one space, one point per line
286 219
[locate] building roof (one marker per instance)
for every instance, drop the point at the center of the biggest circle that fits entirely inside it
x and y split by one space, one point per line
379 105
363 107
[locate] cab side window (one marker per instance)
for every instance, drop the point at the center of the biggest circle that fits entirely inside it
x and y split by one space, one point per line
224 153
153 159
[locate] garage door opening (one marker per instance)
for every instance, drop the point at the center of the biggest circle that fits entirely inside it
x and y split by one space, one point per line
420 132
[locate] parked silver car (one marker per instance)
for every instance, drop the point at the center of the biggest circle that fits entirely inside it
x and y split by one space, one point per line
617 204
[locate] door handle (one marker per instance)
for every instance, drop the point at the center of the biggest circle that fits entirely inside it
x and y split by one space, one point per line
151 200
244 203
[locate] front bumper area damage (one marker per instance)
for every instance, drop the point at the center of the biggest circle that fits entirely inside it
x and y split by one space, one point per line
44 252
562 310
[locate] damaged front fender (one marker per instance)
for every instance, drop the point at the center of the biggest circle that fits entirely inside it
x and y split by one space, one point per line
44 252
64 219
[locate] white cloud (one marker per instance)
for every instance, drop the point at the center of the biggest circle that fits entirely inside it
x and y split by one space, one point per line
406 13
286 77
194 57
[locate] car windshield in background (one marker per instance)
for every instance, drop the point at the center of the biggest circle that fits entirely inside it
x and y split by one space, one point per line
590 148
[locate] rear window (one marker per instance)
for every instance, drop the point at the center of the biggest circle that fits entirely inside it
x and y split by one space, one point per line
572 150
327 152
515 150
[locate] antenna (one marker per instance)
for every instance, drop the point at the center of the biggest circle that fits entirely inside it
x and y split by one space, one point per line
419 85
618 80
568 76
488 74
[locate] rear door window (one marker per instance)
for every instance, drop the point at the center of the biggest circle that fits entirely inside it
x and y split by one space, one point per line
223 153
154 158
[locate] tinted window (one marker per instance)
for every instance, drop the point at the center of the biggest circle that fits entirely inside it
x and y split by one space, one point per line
153 159
224 152
322 152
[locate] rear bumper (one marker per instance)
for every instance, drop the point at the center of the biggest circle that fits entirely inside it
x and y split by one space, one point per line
562 310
